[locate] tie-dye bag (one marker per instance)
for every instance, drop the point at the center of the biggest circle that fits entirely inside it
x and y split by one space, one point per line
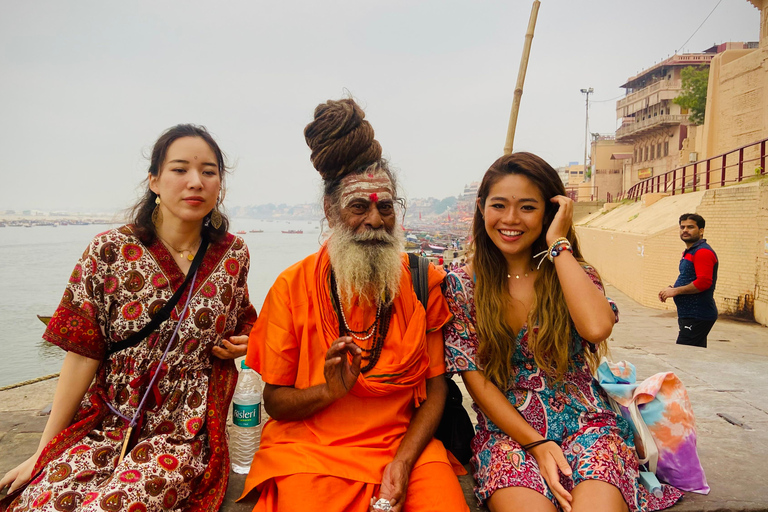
662 419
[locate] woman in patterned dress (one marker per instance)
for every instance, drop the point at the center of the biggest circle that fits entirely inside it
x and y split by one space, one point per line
525 339
176 457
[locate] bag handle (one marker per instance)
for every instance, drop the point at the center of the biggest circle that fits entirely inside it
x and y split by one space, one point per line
644 441
165 313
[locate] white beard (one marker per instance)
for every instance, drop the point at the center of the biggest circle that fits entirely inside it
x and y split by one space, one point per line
370 271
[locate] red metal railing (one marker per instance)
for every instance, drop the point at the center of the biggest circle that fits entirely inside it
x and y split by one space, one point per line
705 174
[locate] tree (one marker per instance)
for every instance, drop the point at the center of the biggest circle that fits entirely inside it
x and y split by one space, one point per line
694 95
444 204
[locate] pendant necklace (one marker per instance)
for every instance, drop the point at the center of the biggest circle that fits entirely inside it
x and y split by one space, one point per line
358 335
190 253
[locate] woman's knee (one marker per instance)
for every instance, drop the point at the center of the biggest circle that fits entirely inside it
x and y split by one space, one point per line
598 496
514 499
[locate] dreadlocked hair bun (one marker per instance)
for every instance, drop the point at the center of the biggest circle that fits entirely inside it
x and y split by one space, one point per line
341 139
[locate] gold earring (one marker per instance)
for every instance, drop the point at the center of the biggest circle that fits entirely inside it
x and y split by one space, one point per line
156 215
216 218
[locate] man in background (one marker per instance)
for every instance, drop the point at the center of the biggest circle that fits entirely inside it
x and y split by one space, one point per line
693 292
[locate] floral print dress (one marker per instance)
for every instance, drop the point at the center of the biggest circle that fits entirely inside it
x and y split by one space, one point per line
597 444
177 457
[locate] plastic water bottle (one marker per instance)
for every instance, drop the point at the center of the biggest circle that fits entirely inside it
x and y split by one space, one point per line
245 433
651 483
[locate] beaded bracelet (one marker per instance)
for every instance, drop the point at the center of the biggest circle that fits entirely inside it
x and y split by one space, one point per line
558 246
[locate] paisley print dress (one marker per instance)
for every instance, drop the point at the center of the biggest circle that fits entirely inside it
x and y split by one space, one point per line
597 443
177 457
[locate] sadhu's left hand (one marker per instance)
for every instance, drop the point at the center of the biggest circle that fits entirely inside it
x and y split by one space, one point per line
563 220
394 484
232 347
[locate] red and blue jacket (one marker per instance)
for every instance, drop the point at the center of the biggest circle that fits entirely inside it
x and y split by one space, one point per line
698 266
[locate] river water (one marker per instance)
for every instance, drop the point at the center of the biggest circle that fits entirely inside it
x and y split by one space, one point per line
35 264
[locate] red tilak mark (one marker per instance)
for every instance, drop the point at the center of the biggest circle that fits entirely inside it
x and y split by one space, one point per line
370 175
374 197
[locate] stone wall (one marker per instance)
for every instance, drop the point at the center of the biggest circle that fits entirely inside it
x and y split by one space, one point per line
736 105
737 98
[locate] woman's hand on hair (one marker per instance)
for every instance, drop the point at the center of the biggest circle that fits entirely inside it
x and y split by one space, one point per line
552 462
563 219
232 347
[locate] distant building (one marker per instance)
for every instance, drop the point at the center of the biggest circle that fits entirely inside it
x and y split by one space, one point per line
650 121
610 160
470 192
575 174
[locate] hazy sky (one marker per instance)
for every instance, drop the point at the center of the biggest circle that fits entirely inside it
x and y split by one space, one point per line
87 86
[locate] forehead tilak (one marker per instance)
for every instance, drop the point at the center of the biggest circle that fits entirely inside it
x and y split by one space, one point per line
373 186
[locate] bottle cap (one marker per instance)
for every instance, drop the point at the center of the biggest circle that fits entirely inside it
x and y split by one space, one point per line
244 366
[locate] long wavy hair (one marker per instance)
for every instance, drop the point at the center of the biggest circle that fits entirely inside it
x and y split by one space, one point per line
141 213
550 324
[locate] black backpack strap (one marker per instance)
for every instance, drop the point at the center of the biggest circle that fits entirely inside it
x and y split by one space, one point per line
455 429
420 275
165 313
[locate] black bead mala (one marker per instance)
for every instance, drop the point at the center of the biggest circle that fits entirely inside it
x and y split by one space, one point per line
381 328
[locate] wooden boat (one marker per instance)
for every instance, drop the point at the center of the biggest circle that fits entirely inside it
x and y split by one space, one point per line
257 231
240 232
293 232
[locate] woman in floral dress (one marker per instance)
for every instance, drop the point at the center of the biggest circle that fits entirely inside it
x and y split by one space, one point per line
526 335
176 456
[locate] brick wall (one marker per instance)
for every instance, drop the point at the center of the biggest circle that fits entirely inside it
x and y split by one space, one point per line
735 236
641 264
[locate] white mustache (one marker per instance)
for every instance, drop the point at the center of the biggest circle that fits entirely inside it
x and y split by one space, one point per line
379 235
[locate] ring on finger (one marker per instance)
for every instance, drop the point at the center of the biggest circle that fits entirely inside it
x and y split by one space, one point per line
383 504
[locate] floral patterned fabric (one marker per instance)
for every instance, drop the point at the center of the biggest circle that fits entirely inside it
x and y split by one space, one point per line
177 458
597 444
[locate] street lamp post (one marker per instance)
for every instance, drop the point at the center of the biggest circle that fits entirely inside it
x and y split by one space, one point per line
587 92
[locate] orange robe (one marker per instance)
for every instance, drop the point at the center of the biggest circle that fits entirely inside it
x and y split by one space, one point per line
354 438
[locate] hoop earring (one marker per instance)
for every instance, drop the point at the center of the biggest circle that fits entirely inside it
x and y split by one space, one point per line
157 216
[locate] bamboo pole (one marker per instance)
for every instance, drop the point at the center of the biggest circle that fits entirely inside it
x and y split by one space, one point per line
521 78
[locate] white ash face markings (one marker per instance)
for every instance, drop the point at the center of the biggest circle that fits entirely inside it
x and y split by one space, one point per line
371 187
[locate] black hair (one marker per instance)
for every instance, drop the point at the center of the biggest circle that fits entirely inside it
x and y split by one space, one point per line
141 212
695 217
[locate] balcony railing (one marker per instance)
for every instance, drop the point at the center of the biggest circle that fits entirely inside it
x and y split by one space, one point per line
636 127
717 171
666 85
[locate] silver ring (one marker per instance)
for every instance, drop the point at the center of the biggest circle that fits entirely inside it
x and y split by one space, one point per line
383 505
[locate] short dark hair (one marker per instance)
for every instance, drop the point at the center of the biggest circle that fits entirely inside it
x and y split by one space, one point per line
695 217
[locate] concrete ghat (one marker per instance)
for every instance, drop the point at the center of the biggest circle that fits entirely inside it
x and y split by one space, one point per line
728 378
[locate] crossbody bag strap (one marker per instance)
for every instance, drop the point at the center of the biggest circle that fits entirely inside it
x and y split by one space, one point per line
165 313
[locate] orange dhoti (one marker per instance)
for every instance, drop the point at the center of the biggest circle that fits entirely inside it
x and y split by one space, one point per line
336 457
427 492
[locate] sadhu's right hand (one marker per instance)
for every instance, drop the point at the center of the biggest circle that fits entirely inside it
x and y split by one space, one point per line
341 373
19 475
